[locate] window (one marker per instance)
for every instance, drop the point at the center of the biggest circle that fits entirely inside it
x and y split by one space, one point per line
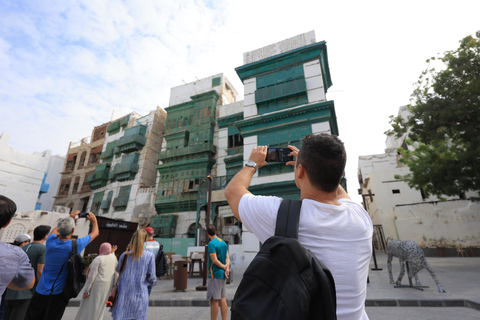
76 184
82 159
235 140
71 162
394 191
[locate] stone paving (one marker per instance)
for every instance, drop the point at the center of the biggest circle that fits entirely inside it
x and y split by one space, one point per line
459 276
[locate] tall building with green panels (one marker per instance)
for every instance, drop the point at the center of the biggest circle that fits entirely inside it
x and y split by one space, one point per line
285 87
189 152
124 182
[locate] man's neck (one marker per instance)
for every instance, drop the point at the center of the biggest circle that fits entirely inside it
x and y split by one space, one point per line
69 237
38 241
320 196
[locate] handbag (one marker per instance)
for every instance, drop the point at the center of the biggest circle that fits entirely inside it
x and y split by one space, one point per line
113 294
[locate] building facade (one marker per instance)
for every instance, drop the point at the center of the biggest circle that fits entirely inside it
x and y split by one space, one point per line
210 135
403 213
31 180
74 190
124 182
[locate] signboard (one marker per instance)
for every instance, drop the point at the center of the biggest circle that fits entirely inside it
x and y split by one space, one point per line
299 41
116 224
225 211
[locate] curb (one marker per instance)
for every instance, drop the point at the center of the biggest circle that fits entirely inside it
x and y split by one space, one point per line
368 303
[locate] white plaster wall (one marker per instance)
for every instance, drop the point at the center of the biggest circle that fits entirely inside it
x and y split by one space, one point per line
450 223
27 221
314 81
182 93
53 179
240 259
185 219
21 174
321 127
230 109
250 108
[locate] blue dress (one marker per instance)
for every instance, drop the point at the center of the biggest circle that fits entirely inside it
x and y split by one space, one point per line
132 296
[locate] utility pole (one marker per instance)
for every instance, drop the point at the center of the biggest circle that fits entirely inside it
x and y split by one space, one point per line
207 239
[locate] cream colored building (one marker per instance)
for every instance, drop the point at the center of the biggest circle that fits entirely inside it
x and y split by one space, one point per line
406 214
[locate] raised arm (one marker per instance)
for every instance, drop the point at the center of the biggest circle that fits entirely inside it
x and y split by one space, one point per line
93 220
238 186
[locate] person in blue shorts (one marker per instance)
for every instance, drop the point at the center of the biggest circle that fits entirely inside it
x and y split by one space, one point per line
218 273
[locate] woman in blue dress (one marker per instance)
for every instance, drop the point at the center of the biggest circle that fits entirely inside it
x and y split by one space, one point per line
138 273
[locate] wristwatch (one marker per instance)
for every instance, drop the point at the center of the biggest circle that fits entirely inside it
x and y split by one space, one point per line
252 164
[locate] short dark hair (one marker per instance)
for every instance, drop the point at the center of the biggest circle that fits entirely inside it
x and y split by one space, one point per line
7 210
323 156
40 232
211 230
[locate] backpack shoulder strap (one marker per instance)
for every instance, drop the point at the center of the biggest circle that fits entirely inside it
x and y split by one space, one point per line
74 246
288 217
74 250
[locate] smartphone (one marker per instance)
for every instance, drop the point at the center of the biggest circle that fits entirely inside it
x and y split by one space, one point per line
278 155
83 215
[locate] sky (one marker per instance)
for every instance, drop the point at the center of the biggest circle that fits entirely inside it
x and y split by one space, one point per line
68 65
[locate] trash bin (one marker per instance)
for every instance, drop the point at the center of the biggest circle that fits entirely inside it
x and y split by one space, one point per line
180 275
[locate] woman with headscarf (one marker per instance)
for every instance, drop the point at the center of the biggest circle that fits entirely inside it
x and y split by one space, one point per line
100 280
138 273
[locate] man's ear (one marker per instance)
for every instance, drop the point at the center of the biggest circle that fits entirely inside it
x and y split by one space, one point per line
301 171
73 230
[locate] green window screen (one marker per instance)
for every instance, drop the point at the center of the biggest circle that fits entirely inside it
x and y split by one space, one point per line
114 127
281 76
282 89
124 121
107 155
106 203
98 197
121 201
282 138
216 82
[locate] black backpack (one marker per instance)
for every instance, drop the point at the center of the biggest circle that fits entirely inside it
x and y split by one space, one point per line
285 280
161 266
76 273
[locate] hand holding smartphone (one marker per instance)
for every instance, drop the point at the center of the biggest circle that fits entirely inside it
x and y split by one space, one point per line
279 155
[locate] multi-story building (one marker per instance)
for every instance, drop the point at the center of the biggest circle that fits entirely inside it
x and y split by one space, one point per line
82 157
189 153
124 181
31 180
210 133
401 212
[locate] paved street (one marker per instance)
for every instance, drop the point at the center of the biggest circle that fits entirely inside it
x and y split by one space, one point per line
374 313
460 278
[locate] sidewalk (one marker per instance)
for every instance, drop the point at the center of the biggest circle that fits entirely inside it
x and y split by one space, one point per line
460 278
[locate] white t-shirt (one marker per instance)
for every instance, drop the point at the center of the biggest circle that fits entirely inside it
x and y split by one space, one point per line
152 246
340 236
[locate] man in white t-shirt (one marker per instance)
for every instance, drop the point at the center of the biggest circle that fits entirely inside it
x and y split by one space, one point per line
337 230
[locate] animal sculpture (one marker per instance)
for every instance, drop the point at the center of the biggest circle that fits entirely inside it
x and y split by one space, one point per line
408 251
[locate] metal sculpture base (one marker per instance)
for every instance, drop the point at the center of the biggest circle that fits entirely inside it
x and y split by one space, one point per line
410 281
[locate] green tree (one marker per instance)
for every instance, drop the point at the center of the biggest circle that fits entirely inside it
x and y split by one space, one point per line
443 129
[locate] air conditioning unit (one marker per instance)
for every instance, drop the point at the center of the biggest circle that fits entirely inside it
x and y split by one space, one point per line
61 209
